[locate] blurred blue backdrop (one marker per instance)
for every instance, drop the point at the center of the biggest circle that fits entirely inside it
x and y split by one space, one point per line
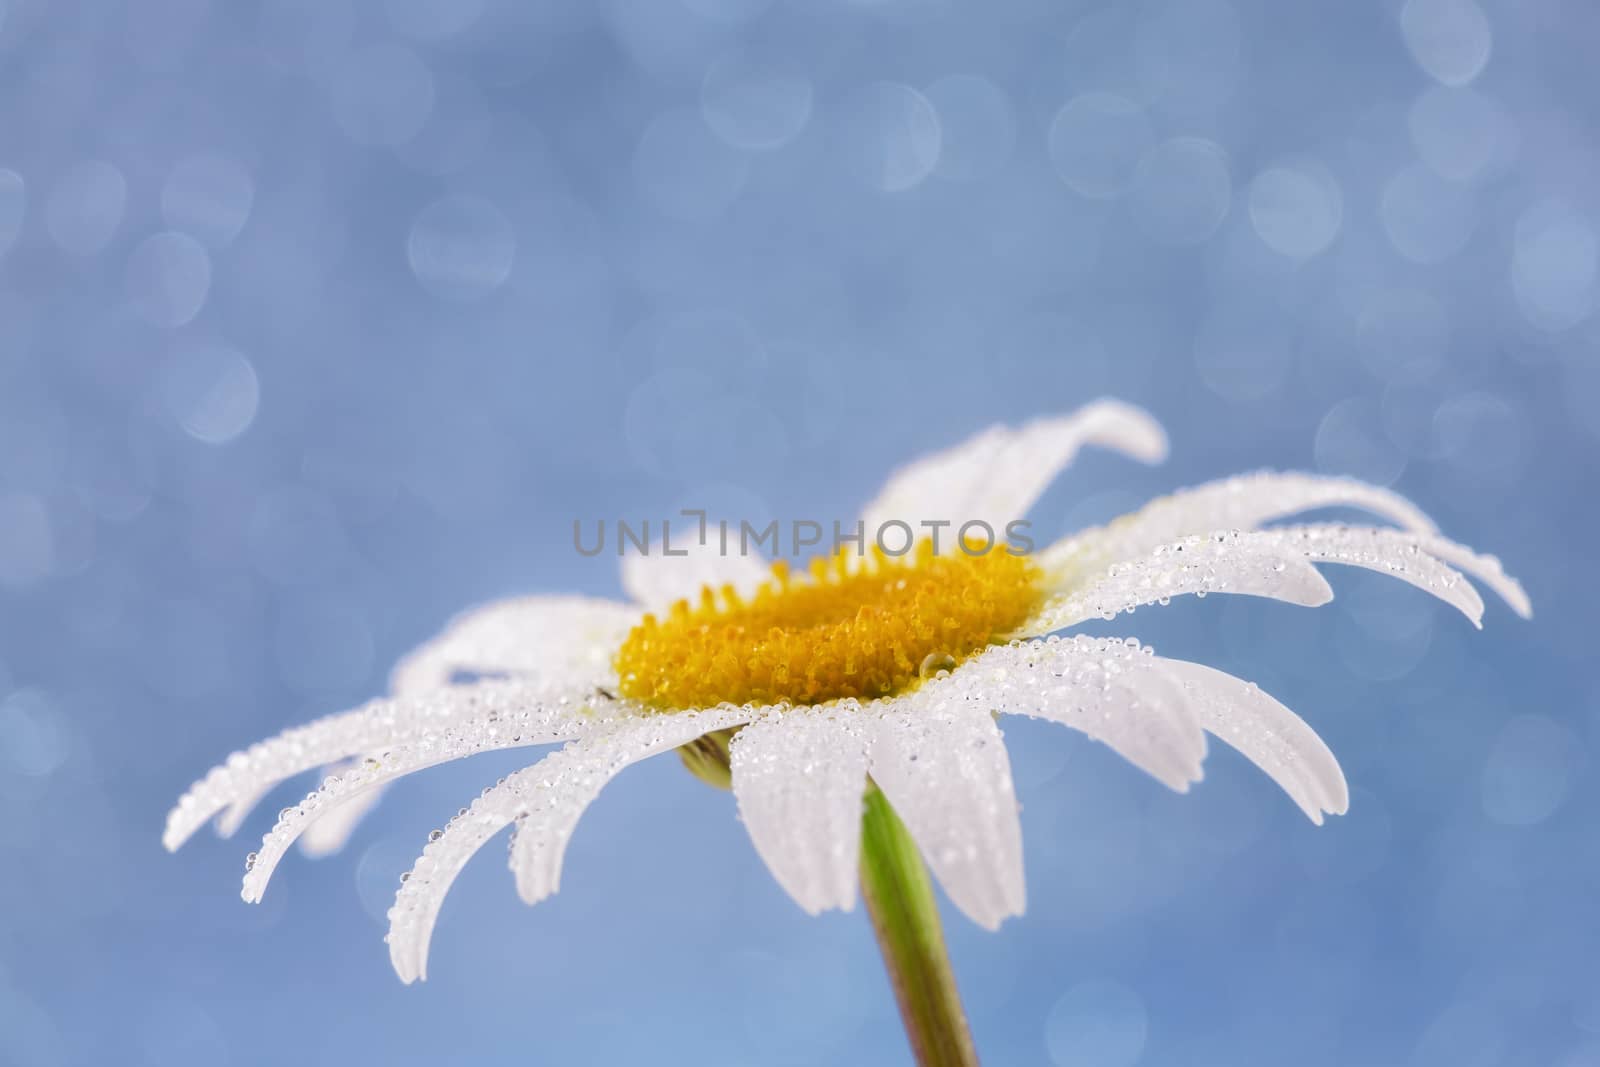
322 319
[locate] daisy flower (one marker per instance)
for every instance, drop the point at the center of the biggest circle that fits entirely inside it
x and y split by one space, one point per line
851 707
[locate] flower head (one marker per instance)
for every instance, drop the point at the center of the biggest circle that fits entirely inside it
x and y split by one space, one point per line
843 629
880 667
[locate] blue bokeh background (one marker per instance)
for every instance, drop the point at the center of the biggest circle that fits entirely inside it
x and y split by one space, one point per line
323 319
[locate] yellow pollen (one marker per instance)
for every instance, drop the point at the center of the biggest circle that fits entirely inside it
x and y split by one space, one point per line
837 630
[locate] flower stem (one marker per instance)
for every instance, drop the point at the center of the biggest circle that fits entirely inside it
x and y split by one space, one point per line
905 916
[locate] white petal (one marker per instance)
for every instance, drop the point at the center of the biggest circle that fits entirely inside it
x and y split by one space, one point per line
550 813
424 887
332 831
1254 564
1151 711
1487 569
798 777
546 799
1268 734
939 759
248 775
499 723
234 814
1406 556
1244 502
657 580
997 474
1108 689
1039 451
560 639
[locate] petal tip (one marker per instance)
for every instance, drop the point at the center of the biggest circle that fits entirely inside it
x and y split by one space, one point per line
1318 594
990 923
1012 909
840 900
1136 432
531 895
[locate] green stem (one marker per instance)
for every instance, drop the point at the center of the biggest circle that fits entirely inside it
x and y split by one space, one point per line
905 915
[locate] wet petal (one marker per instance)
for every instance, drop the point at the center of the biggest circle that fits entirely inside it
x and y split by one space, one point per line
1151 711
560 639
552 806
997 474
1267 733
1407 556
1244 502
1106 688
656 580
1251 564
499 726
939 759
798 777
332 831
557 639
1486 569
248 775
546 801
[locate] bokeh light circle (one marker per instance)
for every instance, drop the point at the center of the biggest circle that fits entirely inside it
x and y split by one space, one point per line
382 94
1182 190
978 127
461 247
755 104
1449 39
1099 1021
209 196
1428 219
1351 440
685 170
889 136
1096 141
1296 209
1530 770
211 391
168 277
1461 134
1554 266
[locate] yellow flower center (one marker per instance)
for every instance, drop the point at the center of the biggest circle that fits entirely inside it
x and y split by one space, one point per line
839 630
